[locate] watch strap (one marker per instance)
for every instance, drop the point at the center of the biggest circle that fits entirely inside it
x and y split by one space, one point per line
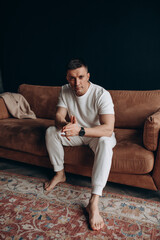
82 132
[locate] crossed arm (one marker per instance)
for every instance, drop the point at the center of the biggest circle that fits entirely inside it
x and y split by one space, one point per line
72 128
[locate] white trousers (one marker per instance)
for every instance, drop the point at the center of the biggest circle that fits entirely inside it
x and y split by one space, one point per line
102 148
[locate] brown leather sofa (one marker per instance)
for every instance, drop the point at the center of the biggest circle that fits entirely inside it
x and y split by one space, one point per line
136 158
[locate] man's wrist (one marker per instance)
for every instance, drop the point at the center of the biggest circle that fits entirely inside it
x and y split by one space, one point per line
82 132
60 125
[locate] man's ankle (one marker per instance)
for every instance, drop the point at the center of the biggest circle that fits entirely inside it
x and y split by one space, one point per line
94 199
61 172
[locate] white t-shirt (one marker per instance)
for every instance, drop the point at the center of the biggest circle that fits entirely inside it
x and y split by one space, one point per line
88 107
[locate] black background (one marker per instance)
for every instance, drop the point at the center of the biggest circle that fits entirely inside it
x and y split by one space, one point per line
120 41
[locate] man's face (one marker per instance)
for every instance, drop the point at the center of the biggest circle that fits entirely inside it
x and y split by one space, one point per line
78 80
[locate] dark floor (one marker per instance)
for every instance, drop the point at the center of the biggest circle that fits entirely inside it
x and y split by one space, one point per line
30 170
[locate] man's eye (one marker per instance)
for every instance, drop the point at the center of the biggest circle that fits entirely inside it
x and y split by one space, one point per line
80 77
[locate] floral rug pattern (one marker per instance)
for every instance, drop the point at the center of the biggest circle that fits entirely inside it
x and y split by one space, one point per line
29 212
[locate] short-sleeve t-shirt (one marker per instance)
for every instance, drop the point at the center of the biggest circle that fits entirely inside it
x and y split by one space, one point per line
88 107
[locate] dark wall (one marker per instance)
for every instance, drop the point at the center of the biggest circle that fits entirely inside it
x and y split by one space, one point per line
120 40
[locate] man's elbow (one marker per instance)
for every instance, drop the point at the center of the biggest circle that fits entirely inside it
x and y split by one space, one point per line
109 132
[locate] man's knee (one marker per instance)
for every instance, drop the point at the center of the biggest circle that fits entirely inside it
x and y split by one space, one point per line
104 141
51 132
105 147
107 142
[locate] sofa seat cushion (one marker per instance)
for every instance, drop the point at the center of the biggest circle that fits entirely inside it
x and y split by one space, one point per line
130 156
26 135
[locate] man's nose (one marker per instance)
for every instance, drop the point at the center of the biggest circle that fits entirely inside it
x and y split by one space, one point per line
77 81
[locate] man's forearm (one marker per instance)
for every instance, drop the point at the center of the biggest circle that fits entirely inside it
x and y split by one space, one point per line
99 131
60 121
103 130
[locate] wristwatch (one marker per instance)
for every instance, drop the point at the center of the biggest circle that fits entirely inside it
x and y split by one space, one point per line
82 132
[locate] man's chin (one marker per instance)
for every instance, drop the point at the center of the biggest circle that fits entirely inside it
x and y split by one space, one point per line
78 92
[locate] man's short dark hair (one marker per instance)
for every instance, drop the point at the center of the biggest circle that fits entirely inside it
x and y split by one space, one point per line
76 63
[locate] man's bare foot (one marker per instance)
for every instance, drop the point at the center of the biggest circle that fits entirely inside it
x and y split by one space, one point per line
95 219
59 177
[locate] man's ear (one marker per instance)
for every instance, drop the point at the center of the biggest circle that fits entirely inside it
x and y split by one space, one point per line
88 75
66 77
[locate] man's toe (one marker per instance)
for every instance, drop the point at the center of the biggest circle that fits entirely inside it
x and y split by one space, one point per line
46 186
94 227
98 226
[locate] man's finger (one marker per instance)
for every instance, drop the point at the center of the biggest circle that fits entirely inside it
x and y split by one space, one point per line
67 129
74 119
68 138
63 134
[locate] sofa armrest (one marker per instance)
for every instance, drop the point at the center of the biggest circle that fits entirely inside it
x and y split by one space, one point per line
156 169
151 131
3 109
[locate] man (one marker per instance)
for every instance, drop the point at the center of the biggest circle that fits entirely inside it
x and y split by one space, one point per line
91 113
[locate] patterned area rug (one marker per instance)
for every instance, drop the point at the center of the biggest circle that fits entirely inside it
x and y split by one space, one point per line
29 212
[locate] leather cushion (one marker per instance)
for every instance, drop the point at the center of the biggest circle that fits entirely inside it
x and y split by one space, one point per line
133 107
42 99
151 131
129 155
3 110
26 135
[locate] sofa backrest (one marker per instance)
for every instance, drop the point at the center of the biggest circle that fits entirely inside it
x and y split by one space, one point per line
131 107
42 99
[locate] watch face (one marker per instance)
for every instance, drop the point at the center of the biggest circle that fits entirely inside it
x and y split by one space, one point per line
81 132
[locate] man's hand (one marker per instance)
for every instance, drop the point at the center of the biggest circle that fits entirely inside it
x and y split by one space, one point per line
71 129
